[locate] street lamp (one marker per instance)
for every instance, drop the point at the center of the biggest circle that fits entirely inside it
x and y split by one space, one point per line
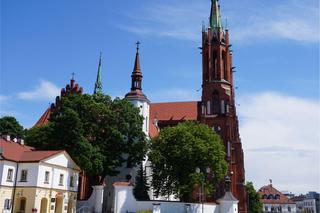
203 178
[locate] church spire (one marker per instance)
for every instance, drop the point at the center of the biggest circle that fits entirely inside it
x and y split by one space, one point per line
215 17
98 84
136 74
136 80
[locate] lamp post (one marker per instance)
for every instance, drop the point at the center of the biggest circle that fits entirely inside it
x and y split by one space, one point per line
203 178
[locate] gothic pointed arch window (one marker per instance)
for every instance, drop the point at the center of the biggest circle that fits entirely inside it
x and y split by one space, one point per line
215 102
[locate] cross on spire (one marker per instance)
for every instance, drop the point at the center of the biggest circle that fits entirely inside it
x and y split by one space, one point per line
138 45
72 76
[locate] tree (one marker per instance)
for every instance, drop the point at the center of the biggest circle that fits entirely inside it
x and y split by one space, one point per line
178 151
141 187
10 126
254 199
99 133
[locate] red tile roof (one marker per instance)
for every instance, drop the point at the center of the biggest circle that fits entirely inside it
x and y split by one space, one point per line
171 111
122 184
44 119
20 153
270 190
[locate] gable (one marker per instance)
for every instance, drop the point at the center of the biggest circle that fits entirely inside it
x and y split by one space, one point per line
62 159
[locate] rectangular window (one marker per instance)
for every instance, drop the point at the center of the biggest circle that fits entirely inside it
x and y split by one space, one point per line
203 109
24 175
229 149
61 180
46 177
71 181
222 107
7 204
10 175
208 108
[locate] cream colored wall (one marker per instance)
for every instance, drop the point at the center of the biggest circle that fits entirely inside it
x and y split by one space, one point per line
35 195
5 193
29 194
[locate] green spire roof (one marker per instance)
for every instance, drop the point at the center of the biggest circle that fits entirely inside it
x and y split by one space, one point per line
98 84
215 17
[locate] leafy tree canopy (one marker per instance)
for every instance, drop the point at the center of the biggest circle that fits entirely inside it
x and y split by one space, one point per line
255 205
178 151
99 133
10 126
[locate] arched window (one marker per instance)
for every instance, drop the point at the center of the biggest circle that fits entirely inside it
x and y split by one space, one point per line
277 197
215 103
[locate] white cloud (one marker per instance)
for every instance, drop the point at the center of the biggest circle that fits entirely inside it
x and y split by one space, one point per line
250 20
3 98
280 136
44 91
174 94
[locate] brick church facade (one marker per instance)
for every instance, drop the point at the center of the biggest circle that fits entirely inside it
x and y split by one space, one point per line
216 108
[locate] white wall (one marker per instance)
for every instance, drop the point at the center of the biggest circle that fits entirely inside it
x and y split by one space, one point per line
5 166
125 202
283 206
32 177
144 111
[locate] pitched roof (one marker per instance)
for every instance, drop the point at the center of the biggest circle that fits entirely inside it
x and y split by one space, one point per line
171 111
20 153
44 119
268 190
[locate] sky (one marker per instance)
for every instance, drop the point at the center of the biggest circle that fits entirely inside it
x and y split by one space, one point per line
276 54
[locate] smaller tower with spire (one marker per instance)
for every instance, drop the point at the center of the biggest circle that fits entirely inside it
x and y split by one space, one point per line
136 96
98 84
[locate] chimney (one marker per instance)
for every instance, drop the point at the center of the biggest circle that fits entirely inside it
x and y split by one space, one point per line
6 137
21 141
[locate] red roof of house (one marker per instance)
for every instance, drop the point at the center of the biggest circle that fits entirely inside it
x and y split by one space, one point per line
268 190
20 153
171 111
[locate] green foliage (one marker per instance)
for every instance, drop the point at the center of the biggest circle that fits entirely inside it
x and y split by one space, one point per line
255 205
178 151
100 134
144 211
141 187
10 126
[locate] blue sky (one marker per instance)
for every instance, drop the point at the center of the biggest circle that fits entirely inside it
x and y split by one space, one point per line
276 52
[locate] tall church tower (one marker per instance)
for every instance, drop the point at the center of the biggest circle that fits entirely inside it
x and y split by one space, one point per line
218 108
136 96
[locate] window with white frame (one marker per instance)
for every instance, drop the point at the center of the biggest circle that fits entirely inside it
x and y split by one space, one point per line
61 180
24 175
10 175
46 177
71 184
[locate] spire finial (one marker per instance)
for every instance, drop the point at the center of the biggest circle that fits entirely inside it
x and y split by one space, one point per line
72 76
98 84
138 45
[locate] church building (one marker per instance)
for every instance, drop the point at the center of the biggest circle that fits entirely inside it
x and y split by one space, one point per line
216 108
